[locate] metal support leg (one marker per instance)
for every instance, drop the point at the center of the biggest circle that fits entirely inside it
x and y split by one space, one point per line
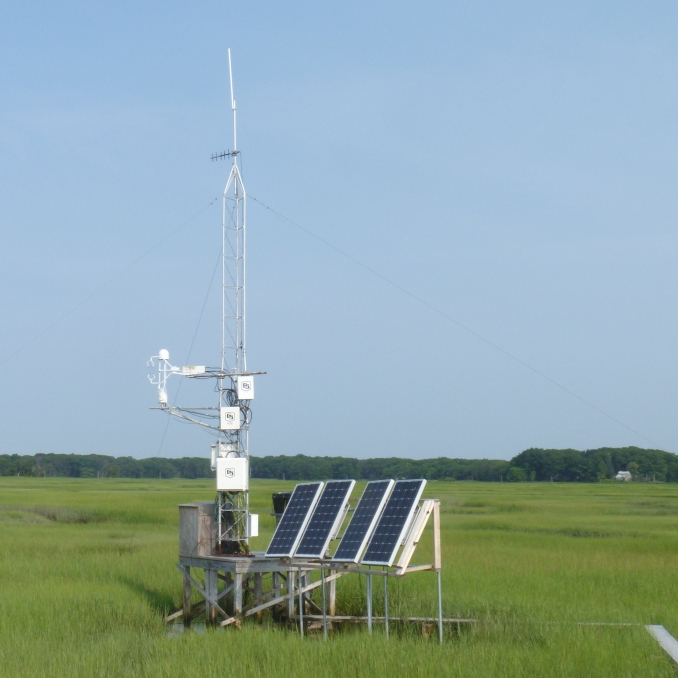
322 574
440 609
369 601
386 605
301 606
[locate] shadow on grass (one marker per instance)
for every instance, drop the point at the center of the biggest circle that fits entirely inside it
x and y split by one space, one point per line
163 603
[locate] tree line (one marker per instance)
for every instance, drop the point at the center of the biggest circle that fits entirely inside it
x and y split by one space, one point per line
531 465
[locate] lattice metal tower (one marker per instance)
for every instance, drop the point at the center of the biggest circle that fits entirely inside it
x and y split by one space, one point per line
230 420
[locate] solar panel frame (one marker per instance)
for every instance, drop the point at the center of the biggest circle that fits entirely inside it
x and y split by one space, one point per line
295 518
328 512
388 514
364 518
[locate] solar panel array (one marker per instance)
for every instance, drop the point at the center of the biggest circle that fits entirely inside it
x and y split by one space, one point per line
294 520
323 523
393 522
364 518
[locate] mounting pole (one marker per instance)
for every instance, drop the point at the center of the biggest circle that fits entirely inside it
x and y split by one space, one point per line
301 606
369 601
386 603
322 574
440 609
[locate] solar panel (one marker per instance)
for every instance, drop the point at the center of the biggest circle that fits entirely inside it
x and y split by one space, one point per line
393 522
294 520
323 523
363 521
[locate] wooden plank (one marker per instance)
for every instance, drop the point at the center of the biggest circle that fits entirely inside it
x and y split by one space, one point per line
204 594
242 564
356 619
333 594
173 616
180 613
415 533
230 620
258 590
225 592
212 590
418 568
667 642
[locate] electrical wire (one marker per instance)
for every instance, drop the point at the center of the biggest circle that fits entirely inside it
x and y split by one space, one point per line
458 323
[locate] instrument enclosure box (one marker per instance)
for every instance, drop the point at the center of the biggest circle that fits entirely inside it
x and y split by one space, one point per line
229 418
232 474
197 529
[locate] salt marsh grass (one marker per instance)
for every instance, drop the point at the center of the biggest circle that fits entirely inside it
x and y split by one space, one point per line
87 574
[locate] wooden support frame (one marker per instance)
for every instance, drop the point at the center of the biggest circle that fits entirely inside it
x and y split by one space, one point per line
243 576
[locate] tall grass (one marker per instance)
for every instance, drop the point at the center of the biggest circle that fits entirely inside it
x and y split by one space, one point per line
87 574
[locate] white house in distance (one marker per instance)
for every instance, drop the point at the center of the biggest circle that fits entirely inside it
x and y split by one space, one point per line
623 475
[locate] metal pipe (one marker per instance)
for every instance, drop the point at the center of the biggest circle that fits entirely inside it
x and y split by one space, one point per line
440 609
386 605
322 574
369 601
301 607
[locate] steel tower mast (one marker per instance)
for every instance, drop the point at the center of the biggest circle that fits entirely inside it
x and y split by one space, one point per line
229 421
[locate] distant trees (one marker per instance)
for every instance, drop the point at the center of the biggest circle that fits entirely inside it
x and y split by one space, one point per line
301 467
599 464
101 466
534 464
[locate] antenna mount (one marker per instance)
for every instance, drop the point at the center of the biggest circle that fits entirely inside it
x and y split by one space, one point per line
225 154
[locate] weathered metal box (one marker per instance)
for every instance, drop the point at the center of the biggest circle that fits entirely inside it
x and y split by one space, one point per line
197 529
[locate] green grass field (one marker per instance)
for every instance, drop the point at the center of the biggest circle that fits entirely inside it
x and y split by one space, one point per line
87 573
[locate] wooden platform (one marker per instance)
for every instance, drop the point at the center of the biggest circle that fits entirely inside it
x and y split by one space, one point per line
242 594
233 585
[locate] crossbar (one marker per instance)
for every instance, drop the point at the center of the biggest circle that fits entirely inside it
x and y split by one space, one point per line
293 594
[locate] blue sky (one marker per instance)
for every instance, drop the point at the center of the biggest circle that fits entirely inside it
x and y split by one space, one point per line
512 164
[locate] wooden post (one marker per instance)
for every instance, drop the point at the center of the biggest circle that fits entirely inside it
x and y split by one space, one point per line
276 588
228 603
291 574
237 597
258 592
212 589
187 597
306 581
333 595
